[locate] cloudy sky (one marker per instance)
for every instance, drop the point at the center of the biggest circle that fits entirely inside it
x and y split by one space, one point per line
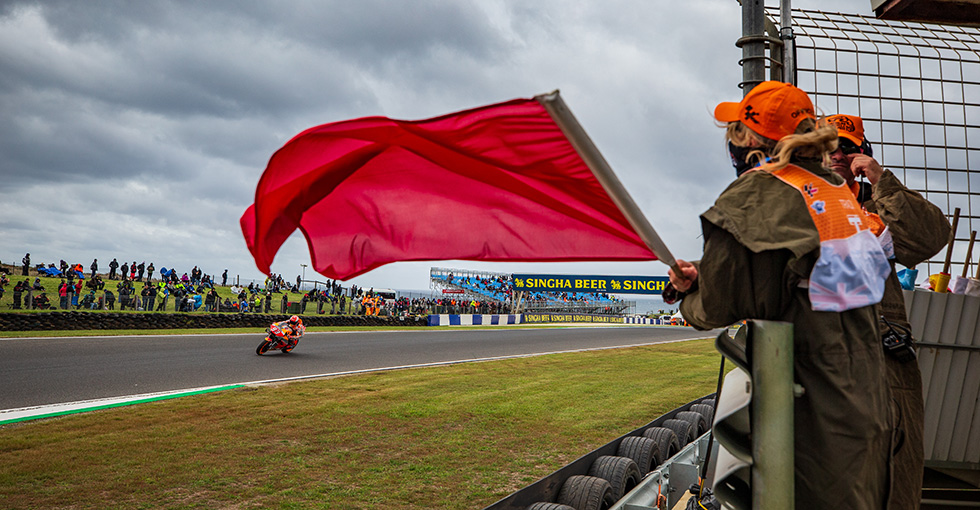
138 130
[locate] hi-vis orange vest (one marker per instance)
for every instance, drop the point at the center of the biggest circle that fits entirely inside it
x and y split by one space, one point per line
853 263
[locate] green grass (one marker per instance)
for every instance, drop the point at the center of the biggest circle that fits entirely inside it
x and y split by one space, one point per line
451 437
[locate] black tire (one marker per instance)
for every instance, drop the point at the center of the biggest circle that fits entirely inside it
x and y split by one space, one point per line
683 429
549 506
707 411
644 452
586 493
621 472
708 402
263 347
666 439
696 419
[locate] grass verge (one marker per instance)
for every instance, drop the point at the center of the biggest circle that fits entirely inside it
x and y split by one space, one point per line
451 437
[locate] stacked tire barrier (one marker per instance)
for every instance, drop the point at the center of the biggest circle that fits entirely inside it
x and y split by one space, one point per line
597 480
75 320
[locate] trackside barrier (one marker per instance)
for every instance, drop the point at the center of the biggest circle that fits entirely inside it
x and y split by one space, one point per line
671 480
641 320
749 473
675 480
647 320
474 319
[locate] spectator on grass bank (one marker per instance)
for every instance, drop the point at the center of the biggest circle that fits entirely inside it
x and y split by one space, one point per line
112 269
124 272
78 292
70 293
110 300
88 302
145 297
28 295
210 300
63 294
151 295
27 263
224 278
132 271
123 295
94 267
41 302
149 272
18 293
162 292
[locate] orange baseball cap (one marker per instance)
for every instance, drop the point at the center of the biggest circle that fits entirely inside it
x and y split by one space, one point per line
772 109
849 126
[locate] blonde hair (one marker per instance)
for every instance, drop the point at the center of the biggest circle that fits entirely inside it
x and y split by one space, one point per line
813 139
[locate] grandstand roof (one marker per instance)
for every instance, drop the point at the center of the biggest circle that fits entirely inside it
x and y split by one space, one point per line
943 12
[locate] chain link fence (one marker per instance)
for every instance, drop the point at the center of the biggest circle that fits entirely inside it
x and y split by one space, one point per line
917 88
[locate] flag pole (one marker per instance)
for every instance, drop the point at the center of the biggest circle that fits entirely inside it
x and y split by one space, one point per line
580 140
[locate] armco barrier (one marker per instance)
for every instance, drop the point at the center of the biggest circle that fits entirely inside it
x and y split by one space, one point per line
474 319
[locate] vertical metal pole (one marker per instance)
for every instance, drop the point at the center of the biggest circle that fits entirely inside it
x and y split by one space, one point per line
772 414
786 35
754 45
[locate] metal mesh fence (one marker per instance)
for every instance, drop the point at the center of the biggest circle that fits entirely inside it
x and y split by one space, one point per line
917 88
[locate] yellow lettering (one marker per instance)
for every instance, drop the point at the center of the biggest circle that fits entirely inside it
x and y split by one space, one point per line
628 285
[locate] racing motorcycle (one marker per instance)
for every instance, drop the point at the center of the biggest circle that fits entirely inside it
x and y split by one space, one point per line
277 339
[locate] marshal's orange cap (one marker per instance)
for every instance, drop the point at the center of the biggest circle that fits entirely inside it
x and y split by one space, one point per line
849 127
772 109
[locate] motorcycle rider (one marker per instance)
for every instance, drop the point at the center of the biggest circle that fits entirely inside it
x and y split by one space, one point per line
293 328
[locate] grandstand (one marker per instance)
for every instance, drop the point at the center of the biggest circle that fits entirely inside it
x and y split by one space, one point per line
489 286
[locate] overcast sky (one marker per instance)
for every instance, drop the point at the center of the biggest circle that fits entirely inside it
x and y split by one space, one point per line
138 130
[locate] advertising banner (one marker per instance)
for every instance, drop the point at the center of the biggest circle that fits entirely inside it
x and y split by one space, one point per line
590 283
533 318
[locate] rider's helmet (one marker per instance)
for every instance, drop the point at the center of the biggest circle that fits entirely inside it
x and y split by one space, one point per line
294 320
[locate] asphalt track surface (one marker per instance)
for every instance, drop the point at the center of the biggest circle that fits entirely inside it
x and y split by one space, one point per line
41 371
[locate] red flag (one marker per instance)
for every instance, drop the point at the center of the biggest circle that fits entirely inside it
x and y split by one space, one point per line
499 183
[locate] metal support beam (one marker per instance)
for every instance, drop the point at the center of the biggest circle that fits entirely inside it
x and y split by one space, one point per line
753 44
771 345
787 37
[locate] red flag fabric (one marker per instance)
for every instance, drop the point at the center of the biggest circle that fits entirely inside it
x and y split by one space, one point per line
495 183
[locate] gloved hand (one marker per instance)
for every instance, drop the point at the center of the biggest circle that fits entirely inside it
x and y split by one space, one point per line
907 278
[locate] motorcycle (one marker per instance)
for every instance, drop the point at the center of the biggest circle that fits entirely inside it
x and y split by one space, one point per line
277 339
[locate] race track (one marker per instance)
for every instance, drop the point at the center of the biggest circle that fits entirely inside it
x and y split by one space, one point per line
41 371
